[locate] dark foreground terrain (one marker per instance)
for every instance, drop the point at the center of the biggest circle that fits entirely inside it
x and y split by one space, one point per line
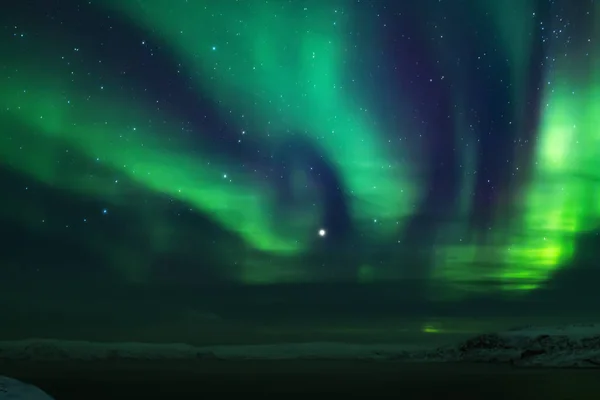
212 378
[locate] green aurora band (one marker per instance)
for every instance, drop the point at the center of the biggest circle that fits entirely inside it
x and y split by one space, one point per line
270 83
242 53
562 197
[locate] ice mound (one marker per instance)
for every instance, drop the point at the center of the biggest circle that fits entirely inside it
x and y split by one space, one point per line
560 346
12 389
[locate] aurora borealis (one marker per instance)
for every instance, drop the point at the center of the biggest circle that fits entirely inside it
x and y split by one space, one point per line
450 142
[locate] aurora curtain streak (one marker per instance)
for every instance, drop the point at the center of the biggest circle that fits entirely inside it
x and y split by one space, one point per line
449 144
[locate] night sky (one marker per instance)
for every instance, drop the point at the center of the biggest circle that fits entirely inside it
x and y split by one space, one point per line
453 143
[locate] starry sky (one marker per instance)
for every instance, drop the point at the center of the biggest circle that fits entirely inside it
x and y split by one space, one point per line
453 143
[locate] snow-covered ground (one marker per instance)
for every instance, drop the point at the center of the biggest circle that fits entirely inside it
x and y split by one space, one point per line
561 346
572 346
12 389
56 350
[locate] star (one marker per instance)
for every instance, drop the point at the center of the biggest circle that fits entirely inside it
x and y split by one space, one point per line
322 232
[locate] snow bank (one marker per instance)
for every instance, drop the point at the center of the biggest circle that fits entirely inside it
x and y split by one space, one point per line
12 389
